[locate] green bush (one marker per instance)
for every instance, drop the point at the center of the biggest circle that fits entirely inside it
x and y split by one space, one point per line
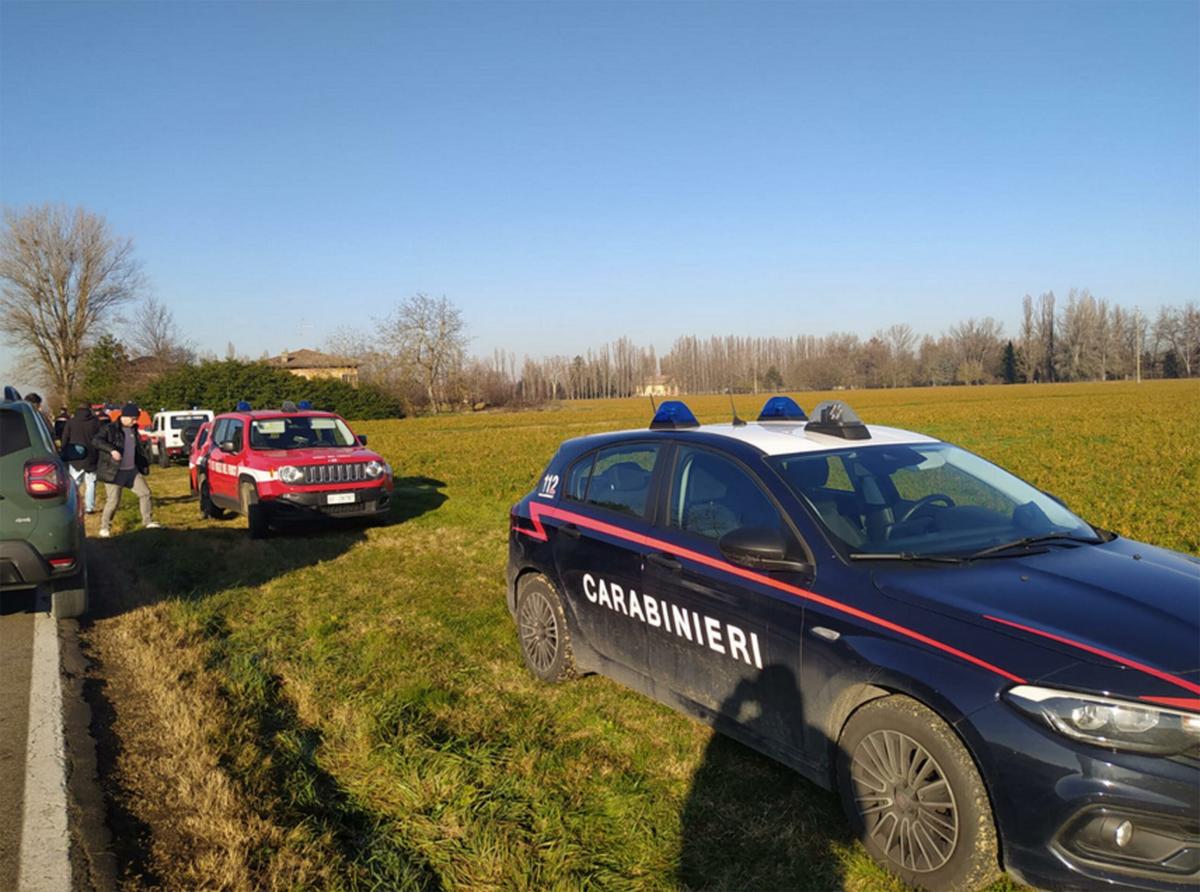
221 385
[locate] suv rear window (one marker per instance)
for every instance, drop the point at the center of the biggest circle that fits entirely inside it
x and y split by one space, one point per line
14 435
180 422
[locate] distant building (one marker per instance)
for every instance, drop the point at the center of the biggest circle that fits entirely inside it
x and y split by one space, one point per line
658 385
314 364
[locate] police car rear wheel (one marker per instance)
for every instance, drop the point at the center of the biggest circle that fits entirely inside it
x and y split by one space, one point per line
542 630
915 798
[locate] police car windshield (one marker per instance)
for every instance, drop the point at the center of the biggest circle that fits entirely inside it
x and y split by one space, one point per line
303 432
931 500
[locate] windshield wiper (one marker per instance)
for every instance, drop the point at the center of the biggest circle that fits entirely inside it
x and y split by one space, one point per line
1043 539
904 556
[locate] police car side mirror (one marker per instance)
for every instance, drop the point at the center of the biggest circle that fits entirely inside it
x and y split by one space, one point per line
759 548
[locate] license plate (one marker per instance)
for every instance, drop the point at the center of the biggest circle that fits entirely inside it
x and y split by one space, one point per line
339 498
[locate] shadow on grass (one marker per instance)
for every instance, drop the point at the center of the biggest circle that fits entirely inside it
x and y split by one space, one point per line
750 821
195 562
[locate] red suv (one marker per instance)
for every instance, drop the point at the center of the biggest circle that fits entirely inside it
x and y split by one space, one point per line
275 466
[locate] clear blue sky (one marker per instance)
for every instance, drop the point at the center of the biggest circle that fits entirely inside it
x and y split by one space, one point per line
569 172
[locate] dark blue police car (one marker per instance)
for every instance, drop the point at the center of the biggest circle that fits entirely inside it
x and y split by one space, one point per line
987 680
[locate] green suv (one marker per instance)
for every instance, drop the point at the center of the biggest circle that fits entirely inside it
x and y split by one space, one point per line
41 514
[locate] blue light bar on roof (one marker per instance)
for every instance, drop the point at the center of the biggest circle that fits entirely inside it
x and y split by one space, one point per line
673 415
242 406
782 408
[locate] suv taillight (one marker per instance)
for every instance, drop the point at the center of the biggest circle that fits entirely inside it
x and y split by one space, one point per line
44 479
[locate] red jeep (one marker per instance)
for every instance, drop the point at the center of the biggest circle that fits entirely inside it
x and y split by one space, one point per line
275 466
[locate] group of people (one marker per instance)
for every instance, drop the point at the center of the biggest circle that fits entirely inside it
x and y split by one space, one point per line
115 456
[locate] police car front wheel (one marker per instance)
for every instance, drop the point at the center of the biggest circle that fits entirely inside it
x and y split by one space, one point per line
542 630
915 798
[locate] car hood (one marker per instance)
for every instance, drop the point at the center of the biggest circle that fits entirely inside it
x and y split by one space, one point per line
1122 605
319 456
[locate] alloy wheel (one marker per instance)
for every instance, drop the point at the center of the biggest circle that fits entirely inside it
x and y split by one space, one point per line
538 630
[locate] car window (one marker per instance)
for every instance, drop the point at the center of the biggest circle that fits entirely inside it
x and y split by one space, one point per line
180 422
233 431
620 478
14 435
923 499
710 496
218 432
578 477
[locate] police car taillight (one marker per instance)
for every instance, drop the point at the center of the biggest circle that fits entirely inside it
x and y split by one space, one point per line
835 419
782 408
44 479
673 415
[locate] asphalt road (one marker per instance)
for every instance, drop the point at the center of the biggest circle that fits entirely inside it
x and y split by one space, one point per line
16 663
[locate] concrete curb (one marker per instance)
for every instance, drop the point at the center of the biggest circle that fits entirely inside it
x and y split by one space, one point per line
45 837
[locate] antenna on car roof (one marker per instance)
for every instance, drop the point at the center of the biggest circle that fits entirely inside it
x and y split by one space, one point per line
737 422
653 407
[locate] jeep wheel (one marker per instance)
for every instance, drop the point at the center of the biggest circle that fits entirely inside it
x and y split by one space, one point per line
69 597
207 508
914 797
256 515
542 630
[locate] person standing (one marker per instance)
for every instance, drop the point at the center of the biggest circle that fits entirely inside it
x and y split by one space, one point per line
82 428
60 422
122 463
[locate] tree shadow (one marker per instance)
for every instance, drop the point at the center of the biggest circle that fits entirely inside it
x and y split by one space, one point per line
751 822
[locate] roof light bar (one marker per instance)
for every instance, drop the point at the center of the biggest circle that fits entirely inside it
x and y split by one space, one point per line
782 408
835 419
673 415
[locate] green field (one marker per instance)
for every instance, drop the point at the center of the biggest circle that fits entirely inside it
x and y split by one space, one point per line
348 708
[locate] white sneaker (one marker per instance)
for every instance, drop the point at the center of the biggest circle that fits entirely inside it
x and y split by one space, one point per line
104 533
152 525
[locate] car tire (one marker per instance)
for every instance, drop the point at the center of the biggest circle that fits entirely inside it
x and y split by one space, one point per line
915 798
69 597
207 508
256 515
542 630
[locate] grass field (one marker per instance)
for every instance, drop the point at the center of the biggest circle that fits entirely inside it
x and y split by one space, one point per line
348 709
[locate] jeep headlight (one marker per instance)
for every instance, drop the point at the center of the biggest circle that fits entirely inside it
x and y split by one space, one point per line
374 469
1106 722
291 474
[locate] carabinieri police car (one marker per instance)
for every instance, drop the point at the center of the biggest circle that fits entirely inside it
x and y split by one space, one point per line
987 680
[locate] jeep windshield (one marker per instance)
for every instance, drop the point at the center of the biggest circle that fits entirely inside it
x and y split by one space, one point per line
304 432
927 501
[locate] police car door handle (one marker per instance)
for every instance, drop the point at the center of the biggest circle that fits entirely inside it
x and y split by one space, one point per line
569 529
666 561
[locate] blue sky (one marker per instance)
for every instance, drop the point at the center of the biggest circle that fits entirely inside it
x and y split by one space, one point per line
568 173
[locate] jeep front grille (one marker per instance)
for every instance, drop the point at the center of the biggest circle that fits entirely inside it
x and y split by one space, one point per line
351 472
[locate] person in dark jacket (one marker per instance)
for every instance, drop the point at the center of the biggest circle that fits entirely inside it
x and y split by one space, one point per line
122 463
60 422
82 428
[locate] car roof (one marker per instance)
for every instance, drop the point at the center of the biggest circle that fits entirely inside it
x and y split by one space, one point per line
259 414
768 438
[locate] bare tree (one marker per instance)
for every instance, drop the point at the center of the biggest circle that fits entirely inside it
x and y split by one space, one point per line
429 334
64 275
152 332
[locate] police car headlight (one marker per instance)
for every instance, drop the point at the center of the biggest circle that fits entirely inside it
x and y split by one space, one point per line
374 469
291 474
1114 724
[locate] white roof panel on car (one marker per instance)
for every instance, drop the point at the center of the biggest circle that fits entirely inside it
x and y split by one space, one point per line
782 438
